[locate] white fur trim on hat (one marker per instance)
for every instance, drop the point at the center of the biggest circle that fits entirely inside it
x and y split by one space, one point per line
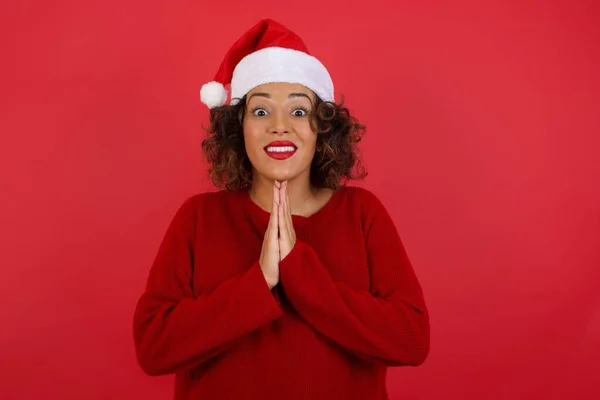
213 94
278 64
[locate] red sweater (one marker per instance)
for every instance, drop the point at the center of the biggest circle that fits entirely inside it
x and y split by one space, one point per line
347 306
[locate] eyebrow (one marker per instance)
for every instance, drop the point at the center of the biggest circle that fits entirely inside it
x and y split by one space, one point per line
299 95
268 96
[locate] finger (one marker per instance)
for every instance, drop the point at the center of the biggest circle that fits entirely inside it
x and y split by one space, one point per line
283 194
283 228
277 192
289 223
273 217
288 210
287 204
281 211
274 214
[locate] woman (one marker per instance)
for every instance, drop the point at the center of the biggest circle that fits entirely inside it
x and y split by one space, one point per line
287 283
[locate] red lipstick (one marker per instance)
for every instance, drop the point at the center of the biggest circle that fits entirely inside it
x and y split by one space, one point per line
280 149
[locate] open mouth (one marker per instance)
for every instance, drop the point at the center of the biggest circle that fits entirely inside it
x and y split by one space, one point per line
280 150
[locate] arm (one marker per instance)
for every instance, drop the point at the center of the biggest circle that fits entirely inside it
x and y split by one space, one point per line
389 324
173 329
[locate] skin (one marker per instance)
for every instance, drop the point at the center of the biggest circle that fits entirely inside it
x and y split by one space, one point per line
281 111
280 237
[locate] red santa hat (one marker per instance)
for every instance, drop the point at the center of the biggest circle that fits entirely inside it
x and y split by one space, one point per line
267 53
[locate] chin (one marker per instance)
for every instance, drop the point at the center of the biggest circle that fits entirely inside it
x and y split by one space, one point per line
281 175
281 170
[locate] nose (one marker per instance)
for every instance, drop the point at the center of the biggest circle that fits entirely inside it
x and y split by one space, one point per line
280 124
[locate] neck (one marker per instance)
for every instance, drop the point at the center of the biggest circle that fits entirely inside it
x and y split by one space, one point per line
299 190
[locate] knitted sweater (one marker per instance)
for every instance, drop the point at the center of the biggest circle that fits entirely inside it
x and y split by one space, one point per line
347 306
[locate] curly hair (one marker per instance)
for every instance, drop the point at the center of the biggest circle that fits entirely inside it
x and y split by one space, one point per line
336 159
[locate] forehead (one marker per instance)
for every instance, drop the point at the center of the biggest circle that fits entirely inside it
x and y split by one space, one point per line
282 89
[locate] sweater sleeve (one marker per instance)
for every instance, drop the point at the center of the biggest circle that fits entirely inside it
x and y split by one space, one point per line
174 329
389 323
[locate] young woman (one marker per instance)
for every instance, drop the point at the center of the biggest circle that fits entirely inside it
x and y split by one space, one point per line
286 283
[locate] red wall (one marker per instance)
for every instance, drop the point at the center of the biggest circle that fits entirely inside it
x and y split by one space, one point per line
483 141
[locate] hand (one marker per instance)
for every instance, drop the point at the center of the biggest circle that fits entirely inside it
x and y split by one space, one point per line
269 255
287 234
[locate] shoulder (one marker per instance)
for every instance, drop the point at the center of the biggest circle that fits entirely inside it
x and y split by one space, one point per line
207 197
363 199
202 208
366 205
374 216
212 201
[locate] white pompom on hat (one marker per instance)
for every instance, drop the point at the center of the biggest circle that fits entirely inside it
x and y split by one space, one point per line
267 53
213 94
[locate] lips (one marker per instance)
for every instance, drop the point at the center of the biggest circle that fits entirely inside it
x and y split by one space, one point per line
280 149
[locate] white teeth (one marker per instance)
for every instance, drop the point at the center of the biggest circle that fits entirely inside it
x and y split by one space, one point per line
280 149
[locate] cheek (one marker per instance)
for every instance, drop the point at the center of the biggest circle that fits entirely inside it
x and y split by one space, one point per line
308 138
251 138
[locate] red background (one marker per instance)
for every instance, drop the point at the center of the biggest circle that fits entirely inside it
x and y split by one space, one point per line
483 142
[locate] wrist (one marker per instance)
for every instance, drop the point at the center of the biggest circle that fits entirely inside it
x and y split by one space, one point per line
271 282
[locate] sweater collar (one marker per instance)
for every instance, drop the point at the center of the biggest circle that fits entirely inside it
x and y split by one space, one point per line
262 216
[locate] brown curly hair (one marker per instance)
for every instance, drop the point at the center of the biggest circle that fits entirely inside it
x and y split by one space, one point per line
336 159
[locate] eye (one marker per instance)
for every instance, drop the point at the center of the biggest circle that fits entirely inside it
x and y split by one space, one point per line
299 112
259 112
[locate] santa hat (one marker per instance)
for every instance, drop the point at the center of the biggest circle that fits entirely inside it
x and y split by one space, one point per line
267 53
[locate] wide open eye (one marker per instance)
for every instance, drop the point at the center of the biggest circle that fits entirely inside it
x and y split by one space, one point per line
259 112
300 112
